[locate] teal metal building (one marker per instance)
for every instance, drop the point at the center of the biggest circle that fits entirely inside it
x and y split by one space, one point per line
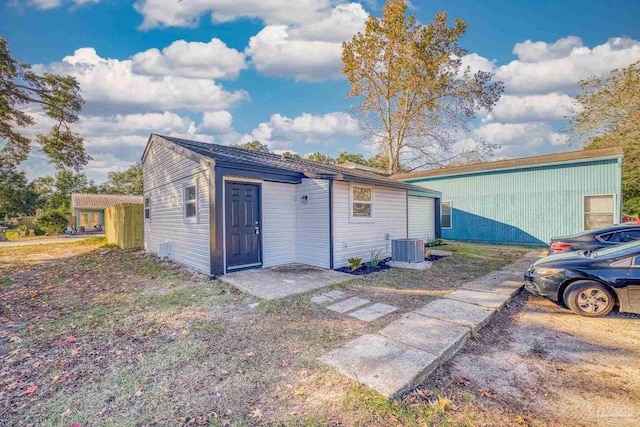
528 200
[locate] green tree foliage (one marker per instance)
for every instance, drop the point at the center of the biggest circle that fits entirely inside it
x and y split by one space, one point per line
55 193
414 94
52 221
127 182
609 116
57 96
345 157
253 145
321 158
291 155
16 195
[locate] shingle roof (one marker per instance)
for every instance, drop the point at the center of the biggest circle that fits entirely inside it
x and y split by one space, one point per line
306 168
523 162
100 201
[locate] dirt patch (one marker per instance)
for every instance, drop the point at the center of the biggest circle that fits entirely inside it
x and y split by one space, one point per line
539 364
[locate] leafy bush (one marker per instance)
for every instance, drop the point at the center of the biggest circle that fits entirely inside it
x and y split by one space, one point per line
432 241
375 258
52 222
39 231
354 263
23 230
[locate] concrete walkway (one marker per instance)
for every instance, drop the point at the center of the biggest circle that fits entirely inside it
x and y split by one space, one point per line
284 280
66 239
405 352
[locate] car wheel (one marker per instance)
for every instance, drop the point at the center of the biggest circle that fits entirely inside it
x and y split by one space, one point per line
591 299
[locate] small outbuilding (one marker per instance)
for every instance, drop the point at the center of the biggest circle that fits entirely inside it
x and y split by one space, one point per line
527 200
220 209
88 209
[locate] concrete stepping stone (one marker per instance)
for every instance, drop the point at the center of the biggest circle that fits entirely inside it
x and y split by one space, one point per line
373 312
331 296
493 300
461 313
504 287
434 336
382 364
348 304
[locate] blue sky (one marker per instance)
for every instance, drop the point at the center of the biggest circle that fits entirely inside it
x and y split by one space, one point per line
269 69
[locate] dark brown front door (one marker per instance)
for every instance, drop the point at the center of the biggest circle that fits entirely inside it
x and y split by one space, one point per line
242 225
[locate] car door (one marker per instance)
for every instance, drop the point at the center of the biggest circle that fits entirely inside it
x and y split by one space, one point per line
633 284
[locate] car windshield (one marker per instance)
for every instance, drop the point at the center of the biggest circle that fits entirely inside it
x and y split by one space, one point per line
618 248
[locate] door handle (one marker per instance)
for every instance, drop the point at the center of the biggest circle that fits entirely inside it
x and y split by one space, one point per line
257 230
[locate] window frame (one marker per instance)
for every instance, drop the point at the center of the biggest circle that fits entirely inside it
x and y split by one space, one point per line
450 214
145 208
352 201
189 219
633 262
585 213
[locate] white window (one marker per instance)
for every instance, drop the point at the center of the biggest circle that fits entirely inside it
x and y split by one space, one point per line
598 211
147 208
361 202
446 215
190 201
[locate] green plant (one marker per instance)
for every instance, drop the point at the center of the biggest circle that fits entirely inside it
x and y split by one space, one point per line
23 230
52 222
354 263
376 255
39 231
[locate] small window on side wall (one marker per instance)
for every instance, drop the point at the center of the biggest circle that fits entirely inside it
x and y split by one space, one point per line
190 203
361 202
598 211
147 208
446 215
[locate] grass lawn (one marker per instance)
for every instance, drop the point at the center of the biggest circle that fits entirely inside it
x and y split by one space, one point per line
94 335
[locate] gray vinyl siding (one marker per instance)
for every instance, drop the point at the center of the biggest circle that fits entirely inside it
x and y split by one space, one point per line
312 225
422 223
354 238
278 223
165 174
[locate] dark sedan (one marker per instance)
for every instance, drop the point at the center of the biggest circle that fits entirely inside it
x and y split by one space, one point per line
590 282
595 239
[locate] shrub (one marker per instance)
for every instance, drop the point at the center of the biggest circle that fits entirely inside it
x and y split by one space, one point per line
52 222
39 231
354 263
23 230
375 258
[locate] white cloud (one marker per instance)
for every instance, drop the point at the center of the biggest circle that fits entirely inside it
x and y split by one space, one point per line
187 13
113 81
216 121
517 109
309 52
281 132
51 4
529 51
560 68
477 63
341 24
517 139
212 60
115 141
274 53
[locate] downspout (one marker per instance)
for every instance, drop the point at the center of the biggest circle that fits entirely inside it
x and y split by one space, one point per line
331 224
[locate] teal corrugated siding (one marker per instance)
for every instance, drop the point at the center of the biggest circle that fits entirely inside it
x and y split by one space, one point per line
524 206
